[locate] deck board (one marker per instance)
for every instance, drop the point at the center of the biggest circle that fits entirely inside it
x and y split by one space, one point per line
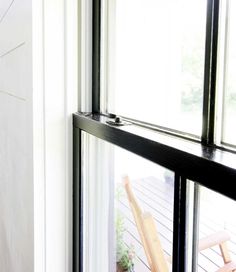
157 197
131 226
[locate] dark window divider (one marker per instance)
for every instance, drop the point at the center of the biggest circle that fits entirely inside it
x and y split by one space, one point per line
210 70
179 226
77 203
209 166
96 56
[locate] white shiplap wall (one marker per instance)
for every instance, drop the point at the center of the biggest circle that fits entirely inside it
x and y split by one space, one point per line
38 94
16 142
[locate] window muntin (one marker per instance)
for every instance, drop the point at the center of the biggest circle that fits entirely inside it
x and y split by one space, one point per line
155 62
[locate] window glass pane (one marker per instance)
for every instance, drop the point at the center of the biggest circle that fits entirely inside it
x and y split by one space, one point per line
229 124
128 210
190 213
217 225
156 61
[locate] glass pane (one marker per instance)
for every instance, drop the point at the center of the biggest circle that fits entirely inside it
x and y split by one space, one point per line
156 61
190 213
128 210
217 225
229 125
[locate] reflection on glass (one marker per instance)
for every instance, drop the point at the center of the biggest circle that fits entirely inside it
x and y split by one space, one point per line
128 213
218 223
157 62
229 125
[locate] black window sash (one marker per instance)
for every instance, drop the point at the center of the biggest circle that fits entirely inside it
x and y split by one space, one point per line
212 168
209 166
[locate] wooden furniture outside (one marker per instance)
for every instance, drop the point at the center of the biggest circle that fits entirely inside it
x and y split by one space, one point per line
152 245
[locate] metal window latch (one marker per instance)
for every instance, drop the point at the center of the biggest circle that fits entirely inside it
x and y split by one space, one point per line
85 113
117 122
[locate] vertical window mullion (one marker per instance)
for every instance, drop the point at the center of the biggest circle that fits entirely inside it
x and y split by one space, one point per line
208 128
179 239
77 203
96 56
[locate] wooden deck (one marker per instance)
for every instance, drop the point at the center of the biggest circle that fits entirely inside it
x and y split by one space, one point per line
156 196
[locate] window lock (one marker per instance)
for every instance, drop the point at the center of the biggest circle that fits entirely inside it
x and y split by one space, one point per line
118 122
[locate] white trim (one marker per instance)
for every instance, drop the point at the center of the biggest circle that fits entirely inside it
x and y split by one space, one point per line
55 98
108 49
222 70
85 55
55 140
38 137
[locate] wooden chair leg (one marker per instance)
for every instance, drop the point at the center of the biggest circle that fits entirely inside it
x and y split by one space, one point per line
225 252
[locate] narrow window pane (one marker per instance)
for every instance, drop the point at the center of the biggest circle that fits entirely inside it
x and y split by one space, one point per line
126 198
229 124
190 228
217 236
156 61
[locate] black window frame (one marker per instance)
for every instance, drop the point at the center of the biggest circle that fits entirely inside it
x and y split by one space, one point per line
202 161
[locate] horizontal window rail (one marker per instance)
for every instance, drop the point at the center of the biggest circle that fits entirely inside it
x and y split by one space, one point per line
209 166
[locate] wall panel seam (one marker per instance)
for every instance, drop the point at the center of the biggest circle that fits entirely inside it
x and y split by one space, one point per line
6 12
12 50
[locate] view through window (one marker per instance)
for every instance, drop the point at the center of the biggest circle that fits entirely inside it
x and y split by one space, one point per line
216 221
130 210
229 127
156 61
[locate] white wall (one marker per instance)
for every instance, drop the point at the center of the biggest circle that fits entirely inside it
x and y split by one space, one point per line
38 94
16 147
